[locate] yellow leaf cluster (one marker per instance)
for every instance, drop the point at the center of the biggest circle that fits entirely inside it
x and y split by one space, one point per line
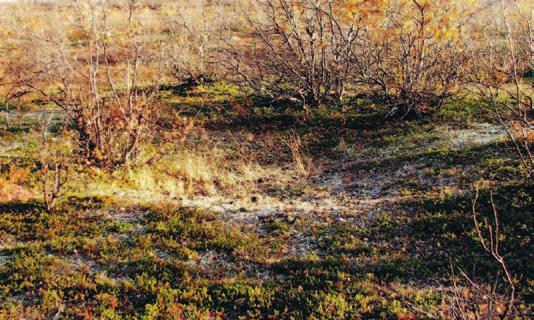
369 12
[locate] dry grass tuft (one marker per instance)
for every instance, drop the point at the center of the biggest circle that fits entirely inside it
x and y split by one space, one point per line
302 161
214 171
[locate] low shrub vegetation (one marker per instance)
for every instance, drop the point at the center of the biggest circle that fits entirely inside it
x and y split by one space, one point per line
266 159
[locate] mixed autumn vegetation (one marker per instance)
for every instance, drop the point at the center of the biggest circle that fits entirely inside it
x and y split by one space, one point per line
266 159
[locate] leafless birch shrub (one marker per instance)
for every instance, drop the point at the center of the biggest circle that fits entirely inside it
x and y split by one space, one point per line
301 51
13 82
54 169
195 31
478 301
108 86
415 56
502 55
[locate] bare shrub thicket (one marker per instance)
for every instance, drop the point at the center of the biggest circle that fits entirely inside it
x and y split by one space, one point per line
54 168
407 53
106 74
502 57
416 53
13 65
301 52
14 85
195 32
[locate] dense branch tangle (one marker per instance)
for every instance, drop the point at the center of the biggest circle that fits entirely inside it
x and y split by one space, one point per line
303 52
501 59
419 54
108 90
407 53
